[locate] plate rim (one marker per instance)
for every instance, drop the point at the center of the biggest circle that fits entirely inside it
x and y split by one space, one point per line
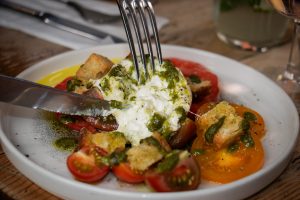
9 148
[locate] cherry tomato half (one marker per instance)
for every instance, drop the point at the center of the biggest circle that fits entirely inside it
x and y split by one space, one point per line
185 176
189 68
82 164
124 173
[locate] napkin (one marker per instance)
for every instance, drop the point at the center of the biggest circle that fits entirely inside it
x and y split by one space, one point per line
33 26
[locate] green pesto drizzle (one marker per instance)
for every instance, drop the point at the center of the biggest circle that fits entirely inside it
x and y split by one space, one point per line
65 143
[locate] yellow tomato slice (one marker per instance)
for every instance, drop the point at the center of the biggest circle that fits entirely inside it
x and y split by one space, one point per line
223 165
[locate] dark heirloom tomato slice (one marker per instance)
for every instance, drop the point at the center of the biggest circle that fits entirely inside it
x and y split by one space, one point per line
83 165
184 135
185 176
75 123
189 68
124 173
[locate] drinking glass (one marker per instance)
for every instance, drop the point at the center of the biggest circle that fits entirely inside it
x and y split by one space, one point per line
249 24
290 9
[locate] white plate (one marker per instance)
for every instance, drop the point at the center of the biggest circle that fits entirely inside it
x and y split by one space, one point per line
26 136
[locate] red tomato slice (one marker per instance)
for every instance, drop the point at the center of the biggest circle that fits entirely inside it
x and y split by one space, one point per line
185 176
63 84
124 173
189 68
83 167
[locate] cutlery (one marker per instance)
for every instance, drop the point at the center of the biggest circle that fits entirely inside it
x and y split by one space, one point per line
89 14
61 23
25 93
132 12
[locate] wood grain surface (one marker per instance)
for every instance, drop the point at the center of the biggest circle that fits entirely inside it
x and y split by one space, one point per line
190 25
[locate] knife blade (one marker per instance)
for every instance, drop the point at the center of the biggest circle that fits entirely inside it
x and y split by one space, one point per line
61 23
25 93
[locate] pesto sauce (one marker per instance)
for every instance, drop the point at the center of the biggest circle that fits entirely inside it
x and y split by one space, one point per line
213 129
72 84
118 70
180 111
156 122
198 152
194 79
170 74
116 104
169 162
246 137
65 143
105 85
233 148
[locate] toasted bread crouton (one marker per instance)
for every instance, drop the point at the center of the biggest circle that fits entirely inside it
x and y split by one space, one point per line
141 157
109 141
95 67
230 129
199 89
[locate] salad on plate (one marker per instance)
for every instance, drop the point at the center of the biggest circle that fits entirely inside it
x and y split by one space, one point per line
169 130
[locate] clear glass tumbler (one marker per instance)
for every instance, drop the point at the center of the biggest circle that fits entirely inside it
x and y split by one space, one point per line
249 24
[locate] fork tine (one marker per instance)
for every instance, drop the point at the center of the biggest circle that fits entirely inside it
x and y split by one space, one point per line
142 4
139 11
155 30
133 8
122 7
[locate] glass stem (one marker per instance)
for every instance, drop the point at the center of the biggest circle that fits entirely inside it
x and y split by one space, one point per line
292 70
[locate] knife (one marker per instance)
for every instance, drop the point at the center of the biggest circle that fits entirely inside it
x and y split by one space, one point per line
25 93
60 22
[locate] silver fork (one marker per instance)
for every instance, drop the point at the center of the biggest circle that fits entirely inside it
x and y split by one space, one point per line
136 13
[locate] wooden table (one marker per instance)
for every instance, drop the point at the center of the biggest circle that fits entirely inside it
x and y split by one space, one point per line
191 26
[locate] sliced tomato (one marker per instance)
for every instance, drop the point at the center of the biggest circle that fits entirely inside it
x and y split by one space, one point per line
124 173
184 176
230 164
75 123
223 167
63 84
84 166
79 124
184 135
189 68
107 123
